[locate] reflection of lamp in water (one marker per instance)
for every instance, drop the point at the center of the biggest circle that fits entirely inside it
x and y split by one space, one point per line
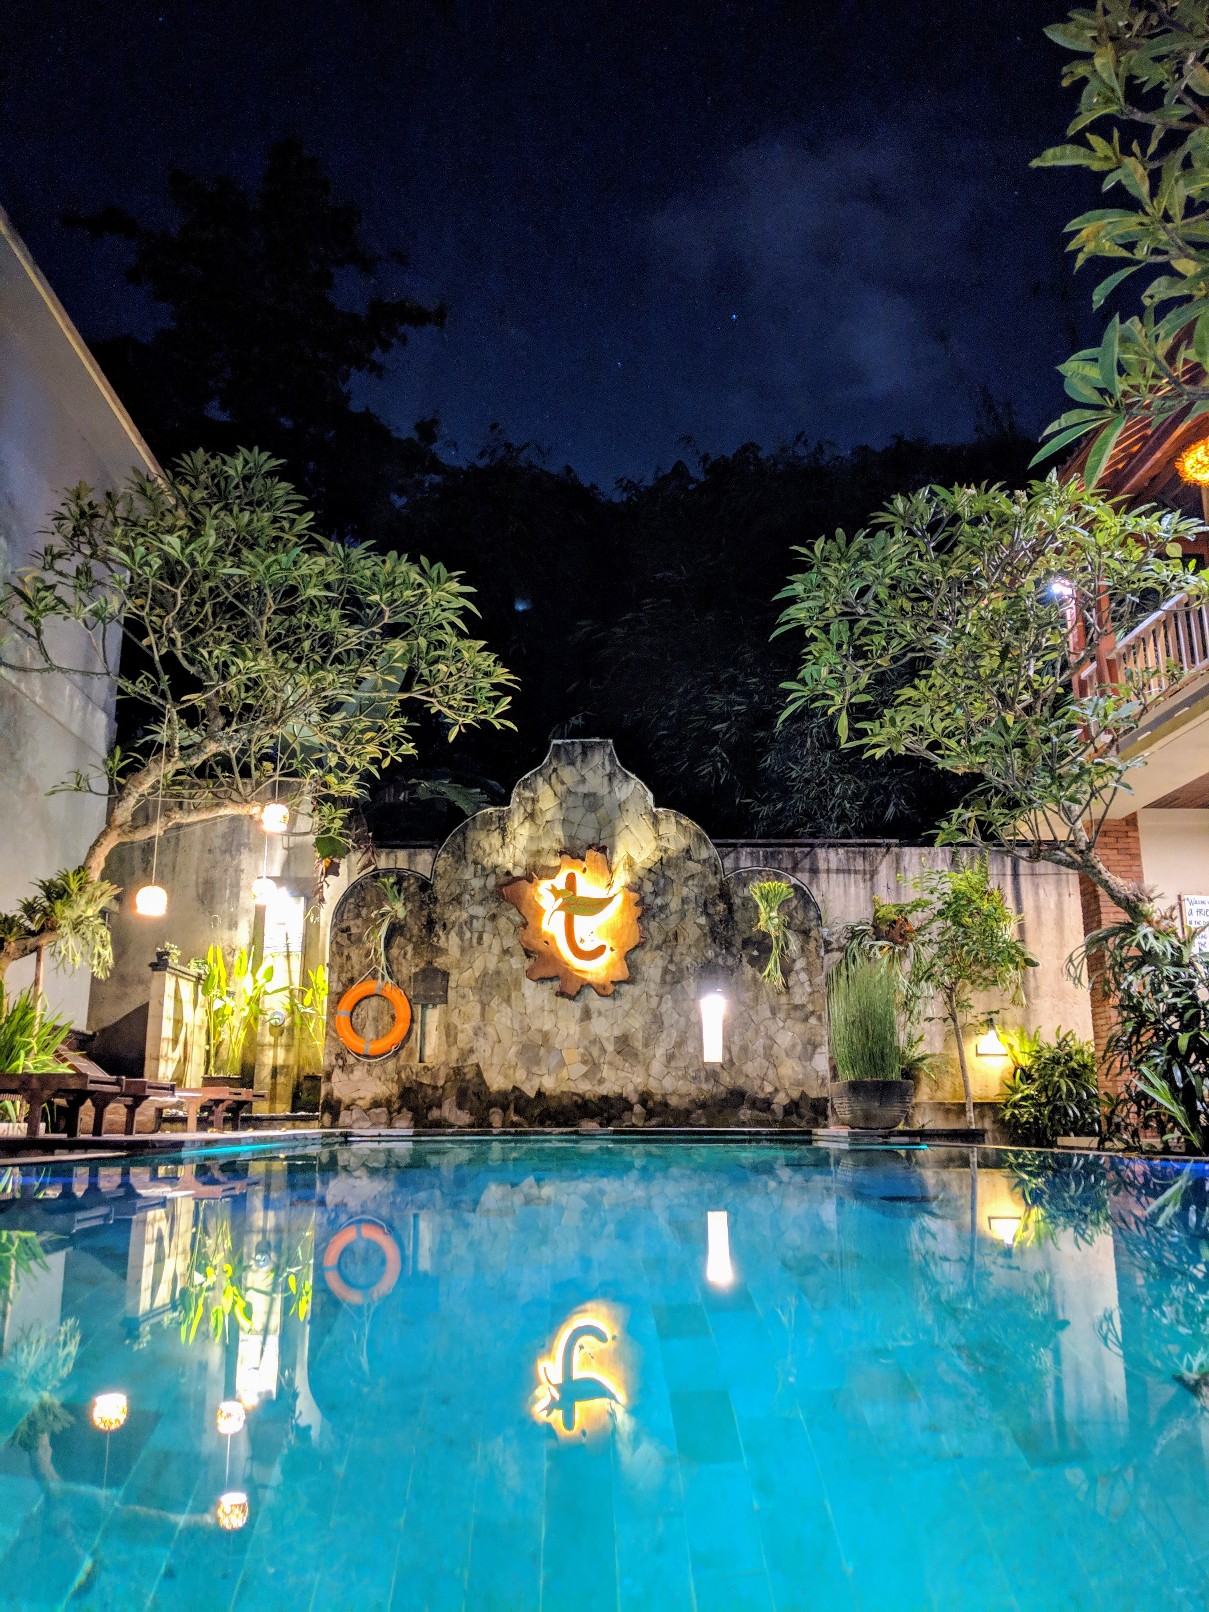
713 1012
1005 1227
232 1510
109 1412
989 1045
719 1271
230 1417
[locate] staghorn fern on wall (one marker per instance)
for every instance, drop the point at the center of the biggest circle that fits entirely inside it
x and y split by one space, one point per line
862 1004
770 897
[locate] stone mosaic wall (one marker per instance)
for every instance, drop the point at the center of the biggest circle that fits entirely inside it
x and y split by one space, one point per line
505 1049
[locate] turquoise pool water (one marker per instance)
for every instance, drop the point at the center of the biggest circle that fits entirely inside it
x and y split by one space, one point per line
577 1375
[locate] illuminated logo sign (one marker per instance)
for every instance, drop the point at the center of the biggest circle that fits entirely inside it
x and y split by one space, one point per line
580 1380
579 926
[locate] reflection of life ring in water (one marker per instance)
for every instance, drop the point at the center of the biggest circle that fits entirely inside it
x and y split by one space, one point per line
362 1262
379 1046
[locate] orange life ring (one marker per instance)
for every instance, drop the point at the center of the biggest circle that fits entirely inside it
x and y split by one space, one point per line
379 1046
363 1231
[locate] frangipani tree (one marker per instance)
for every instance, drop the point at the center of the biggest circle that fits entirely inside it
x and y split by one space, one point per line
247 648
1142 124
944 632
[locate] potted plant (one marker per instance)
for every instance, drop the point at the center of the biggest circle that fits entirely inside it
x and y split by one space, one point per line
863 997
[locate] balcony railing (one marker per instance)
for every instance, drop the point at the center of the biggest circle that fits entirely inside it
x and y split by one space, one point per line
1166 648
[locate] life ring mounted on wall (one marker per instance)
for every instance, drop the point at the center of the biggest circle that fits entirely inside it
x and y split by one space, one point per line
355 1279
377 1046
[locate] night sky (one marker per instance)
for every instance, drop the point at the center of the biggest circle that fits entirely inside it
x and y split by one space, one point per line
648 221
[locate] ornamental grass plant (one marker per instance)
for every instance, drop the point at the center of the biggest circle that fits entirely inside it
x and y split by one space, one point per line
863 1003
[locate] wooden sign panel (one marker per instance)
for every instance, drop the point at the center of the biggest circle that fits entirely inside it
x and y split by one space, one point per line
579 927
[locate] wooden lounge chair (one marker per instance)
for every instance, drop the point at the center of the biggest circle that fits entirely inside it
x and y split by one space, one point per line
78 1082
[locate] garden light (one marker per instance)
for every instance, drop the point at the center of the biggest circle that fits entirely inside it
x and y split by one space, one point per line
232 1510
263 890
713 1012
151 901
719 1272
230 1417
990 1046
275 817
109 1412
1005 1227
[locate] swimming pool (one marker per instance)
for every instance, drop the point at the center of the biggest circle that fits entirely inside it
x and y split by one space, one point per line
523 1374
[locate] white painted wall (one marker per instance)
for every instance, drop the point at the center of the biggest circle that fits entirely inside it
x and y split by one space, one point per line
60 424
1175 852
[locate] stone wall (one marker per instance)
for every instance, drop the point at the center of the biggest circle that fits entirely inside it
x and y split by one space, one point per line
845 875
504 1042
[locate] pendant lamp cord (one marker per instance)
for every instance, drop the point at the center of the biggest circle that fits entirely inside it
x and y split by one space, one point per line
159 810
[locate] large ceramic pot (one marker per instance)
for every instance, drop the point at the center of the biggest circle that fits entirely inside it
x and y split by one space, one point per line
871 1105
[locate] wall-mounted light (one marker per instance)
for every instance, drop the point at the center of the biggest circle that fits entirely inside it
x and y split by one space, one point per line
719 1272
989 1046
713 1013
1005 1227
275 817
151 901
109 1412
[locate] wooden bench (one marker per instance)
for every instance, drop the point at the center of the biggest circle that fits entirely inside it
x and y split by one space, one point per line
209 1104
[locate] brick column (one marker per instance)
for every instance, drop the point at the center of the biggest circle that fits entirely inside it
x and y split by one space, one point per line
1120 849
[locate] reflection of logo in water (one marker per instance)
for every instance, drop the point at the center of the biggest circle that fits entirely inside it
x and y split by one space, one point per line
362 1262
579 927
573 1382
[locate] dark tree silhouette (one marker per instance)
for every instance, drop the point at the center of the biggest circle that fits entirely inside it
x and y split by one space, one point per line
259 349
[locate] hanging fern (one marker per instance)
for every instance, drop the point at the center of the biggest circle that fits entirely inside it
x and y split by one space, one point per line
770 897
391 910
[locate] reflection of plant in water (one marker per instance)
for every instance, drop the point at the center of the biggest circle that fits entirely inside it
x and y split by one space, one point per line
20 1255
1161 1220
213 1278
1012 1342
31 1375
1070 1194
217 1279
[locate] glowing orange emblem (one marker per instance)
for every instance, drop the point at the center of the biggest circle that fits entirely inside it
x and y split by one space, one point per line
578 1381
579 927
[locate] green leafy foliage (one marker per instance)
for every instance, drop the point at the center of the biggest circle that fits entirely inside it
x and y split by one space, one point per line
30 1036
1142 70
251 648
233 999
1159 984
942 633
965 941
770 897
862 1010
1051 1090
69 909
